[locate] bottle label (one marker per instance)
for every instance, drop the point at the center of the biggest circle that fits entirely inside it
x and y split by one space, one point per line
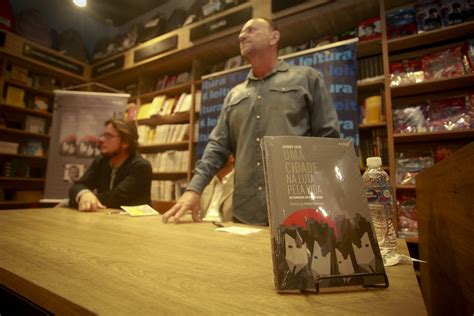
380 195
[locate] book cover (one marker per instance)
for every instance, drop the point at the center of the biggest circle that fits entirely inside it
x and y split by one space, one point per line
183 77
40 104
428 16
401 21
33 148
320 225
8 147
19 74
369 29
454 11
35 124
15 96
443 64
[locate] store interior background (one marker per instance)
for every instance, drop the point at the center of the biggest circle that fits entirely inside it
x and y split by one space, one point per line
110 18
100 18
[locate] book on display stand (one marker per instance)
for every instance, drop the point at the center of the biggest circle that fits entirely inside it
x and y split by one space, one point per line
321 230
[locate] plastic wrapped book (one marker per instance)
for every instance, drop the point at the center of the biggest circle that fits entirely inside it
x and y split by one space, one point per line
321 230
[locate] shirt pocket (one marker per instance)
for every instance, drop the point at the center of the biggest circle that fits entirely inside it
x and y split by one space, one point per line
287 98
238 107
238 99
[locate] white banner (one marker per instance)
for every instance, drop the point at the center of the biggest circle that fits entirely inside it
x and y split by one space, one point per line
78 120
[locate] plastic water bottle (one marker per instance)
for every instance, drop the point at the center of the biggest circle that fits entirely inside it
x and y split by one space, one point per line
379 195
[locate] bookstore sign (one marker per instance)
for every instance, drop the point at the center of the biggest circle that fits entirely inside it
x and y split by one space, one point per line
155 49
337 63
108 66
223 23
50 59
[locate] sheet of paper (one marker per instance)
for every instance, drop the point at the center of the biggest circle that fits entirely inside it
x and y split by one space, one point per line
239 230
140 210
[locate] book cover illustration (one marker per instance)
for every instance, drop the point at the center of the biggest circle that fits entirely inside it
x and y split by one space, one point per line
369 29
428 17
321 230
454 11
401 21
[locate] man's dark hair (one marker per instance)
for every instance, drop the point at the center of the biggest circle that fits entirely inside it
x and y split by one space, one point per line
127 131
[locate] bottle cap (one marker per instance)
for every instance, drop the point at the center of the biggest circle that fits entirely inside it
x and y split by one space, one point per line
374 162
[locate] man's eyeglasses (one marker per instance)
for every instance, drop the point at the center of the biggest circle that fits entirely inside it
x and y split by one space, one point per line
107 136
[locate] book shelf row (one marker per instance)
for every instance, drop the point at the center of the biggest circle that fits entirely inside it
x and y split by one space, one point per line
169 161
167 190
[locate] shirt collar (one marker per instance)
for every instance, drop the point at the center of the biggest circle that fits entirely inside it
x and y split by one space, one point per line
280 66
225 179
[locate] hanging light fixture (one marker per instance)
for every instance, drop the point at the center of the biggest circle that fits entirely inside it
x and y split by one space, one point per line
80 3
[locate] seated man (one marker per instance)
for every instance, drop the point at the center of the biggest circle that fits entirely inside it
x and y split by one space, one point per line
216 199
120 175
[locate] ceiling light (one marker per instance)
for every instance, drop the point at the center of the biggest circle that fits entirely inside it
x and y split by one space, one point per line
80 3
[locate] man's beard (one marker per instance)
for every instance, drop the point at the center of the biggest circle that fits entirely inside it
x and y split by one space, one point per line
111 154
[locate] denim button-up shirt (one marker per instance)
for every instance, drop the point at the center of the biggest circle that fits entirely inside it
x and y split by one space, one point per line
291 100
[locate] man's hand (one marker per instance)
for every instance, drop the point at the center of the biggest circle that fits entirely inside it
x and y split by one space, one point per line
89 202
189 201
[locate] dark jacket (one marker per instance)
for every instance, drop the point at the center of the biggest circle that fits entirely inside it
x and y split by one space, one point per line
131 186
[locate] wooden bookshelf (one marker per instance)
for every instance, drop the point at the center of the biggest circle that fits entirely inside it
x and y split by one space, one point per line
7 107
154 148
435 85
171 91
433 136
21 156
406 187
372 125
368 48
415 41
21 133
177 118
368 85
169 175
27 88
22 179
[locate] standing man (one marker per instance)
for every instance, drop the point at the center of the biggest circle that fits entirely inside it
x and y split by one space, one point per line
276 99
120 175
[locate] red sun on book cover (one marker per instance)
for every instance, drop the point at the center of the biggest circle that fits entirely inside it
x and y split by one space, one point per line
301 217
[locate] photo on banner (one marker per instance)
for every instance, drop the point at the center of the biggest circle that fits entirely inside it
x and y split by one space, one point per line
338 64
78 121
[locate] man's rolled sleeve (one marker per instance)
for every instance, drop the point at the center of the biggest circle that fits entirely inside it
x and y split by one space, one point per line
324 121
215 155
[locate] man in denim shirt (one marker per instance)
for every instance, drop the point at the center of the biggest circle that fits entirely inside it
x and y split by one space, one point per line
276 99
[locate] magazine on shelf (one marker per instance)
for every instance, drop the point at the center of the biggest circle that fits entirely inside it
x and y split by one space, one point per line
321 230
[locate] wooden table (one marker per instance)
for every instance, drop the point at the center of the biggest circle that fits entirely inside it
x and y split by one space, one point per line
71 262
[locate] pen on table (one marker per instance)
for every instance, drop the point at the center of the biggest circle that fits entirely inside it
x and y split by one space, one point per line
114 212
217 224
